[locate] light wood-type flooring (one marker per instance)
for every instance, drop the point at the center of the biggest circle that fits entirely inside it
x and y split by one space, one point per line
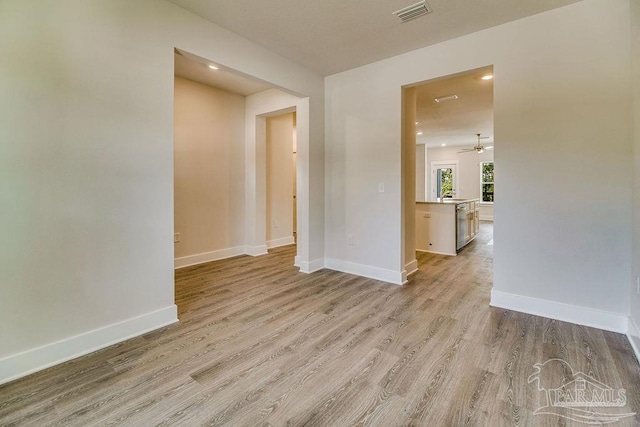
260 344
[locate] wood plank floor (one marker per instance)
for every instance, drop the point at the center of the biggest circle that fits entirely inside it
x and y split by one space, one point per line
260 344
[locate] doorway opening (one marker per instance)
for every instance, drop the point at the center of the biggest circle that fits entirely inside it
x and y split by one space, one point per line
281 180
448 164
228 186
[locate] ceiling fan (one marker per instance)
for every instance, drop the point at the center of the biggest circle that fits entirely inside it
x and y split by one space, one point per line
478 148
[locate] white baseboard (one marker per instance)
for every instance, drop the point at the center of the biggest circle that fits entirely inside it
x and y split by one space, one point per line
309 266
390 276
633 335
256 250
37 359
566 312
409 269
208 257
434 252
281 242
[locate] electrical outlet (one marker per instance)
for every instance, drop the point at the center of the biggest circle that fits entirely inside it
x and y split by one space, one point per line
381 187
349 239
176 237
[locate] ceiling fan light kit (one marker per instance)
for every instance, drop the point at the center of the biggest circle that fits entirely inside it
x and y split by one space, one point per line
478 148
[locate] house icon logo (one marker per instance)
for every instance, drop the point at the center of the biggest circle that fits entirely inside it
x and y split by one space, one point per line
576 395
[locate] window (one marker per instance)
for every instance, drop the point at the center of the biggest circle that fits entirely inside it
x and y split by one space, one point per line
486 181
443 179
445 182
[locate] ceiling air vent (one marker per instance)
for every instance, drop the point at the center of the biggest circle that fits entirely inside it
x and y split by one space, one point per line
446 98
413 11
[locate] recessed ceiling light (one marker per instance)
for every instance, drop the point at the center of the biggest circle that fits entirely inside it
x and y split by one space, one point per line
487 77
419 133
417 122
446 98
443 145
213 67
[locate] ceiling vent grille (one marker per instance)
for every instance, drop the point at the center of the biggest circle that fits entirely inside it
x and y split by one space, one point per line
410 12
446 98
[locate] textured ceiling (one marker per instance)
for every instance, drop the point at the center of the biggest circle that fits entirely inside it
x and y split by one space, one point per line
330 36
456 122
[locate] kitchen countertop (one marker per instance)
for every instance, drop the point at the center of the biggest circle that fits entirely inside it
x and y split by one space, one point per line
448 201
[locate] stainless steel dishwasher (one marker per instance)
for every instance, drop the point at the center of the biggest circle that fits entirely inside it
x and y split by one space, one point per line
461 225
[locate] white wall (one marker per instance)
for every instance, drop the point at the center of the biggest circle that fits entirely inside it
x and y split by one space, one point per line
562 115
468 173
87 167
635 297
209 172
280 180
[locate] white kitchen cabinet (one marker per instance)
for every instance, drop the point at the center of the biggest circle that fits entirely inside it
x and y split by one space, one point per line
438 225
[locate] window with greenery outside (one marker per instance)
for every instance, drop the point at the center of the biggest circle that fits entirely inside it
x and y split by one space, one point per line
445 183
487 181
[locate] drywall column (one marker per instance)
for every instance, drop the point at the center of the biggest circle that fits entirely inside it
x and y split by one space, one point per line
410 263
310 163
307 213
421 153
255 181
